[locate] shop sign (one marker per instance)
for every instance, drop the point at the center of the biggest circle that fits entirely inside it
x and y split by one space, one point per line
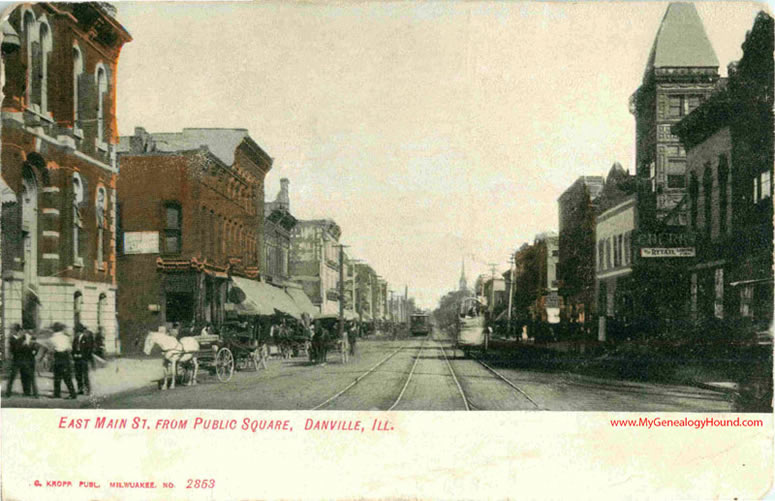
667 252
141 242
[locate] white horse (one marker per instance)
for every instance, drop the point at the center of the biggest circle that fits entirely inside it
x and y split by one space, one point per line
175 351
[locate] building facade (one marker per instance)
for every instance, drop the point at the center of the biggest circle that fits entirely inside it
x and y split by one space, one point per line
278 224
58 158
314 262
575 267
681 72
729 140
181 239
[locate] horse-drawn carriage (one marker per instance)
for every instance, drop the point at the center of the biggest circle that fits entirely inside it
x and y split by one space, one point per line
234 348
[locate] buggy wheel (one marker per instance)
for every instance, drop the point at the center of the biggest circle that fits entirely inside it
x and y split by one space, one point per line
224 364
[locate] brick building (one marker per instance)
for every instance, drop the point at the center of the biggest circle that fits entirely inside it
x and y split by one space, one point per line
681 72
575 267
278 224
729 140
58 159
314 262
191 215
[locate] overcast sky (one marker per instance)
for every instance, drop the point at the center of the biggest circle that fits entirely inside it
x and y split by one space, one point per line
428 131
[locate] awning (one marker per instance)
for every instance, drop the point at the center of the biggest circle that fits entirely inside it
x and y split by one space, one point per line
264 299
258 299
302 301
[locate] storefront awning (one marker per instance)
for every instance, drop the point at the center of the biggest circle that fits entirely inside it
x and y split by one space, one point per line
258 300
302 301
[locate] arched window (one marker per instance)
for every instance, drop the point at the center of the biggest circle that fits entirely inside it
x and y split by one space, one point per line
723 176
45 49
101 206
32 47
29 198
102 90
77 72
78 194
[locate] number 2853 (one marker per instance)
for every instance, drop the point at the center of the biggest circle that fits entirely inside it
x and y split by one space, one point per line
200 483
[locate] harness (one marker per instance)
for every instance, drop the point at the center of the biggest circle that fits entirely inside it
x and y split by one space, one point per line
179 348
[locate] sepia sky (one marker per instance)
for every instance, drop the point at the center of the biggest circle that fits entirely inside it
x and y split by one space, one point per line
428 131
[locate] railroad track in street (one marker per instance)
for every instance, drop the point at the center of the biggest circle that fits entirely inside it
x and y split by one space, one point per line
371 371
508 382
409 377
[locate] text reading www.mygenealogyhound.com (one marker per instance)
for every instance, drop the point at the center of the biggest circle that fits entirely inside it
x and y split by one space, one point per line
696 423
246 424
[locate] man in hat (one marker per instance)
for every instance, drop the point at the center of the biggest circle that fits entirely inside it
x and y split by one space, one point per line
62 347
15 345
83 345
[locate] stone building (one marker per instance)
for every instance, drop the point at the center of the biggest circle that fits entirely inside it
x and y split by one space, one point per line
59 163
314 262
191 212
729 140
278 224
575 267
681 72
536 299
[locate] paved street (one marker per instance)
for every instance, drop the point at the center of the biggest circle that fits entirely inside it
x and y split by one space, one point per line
408 374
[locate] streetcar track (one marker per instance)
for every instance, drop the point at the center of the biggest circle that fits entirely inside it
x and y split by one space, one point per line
508 382
454 378
358 379
411 372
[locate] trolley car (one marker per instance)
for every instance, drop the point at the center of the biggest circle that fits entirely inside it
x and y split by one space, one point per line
472 333
420 324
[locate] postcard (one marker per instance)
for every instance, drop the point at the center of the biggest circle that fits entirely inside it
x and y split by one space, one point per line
386 250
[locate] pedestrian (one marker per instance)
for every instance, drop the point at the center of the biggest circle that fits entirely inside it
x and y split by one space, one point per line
352 335
83 346
27 352
14 345
312 345
62 343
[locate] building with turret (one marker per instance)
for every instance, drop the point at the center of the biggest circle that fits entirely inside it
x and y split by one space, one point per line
681 73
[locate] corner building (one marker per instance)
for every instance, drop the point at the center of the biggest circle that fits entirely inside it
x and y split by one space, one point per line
59 162
191 216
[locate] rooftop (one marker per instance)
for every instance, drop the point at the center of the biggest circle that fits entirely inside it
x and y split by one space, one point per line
681 41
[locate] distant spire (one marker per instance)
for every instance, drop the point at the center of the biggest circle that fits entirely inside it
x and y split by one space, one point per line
463 285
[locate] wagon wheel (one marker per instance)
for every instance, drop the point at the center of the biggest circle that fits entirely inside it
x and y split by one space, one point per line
224 364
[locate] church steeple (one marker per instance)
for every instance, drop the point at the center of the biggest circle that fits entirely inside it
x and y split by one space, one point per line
463 284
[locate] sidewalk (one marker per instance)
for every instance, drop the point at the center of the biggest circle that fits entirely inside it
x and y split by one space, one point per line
118 375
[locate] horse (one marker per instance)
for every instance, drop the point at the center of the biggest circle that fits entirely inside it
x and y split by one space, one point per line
175 351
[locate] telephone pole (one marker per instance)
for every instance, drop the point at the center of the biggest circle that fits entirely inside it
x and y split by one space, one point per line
512 266
341 303
492 287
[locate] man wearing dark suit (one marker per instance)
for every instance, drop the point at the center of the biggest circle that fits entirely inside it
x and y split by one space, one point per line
26 359
83 345
14 345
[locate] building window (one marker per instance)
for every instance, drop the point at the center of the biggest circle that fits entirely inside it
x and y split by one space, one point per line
676 174
608 253
600 255
119 231
100 207
694 195
707 195
78 196
172 228
679 106
766 185
101 303
746 300
723 175
77 71
32 48
102 90
45 48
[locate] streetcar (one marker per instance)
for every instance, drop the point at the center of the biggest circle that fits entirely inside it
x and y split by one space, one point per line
472 331
420 324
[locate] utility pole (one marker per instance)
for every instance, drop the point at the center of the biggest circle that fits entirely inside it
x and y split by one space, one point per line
341 303
406 303
512 264
492 287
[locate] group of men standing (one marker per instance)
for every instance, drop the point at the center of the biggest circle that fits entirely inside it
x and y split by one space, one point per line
71 353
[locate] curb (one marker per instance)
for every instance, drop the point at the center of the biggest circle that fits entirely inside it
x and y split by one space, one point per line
718 389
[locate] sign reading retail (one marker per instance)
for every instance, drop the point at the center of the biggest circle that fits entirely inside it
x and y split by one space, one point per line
667 252
141 242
